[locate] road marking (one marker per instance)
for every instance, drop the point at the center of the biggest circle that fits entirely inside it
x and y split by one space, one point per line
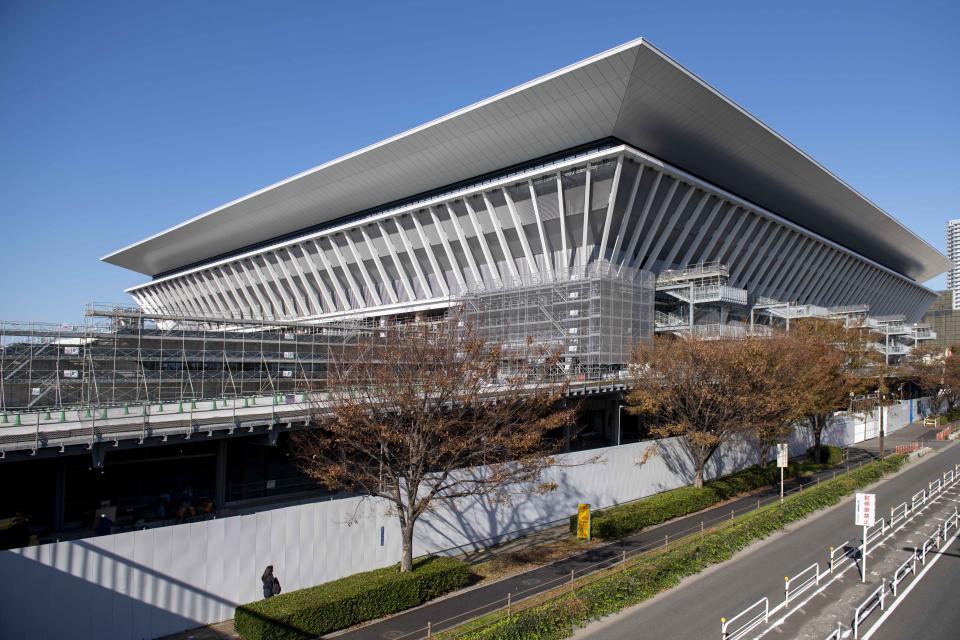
906 592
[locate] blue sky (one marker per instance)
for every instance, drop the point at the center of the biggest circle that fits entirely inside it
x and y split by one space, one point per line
119 119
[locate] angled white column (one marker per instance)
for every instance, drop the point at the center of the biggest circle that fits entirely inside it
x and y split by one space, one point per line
462 239
693 250
672 220
608 219
300 303
528 254
689 226
431 256
285 293
507 255
315 308
451 258
424 282
321 255
561 208
277 304
219 281
641 221
362 268
347 274
484 245
387 282
584 247
655 224
315 270
401 270
627 212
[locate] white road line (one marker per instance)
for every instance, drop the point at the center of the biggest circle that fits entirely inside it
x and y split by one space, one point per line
906 592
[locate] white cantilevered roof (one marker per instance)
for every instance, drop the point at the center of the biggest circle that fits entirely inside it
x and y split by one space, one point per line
633 92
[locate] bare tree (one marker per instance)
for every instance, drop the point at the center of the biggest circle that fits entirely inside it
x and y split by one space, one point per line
937 372
694 389
425 414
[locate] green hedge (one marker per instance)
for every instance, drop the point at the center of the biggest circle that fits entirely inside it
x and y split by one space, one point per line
829 455
308 613
632 517
557 618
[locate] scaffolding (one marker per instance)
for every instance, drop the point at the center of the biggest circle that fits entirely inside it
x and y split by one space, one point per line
123 355
593 317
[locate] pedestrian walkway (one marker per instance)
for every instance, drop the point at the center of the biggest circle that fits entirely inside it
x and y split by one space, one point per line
913 432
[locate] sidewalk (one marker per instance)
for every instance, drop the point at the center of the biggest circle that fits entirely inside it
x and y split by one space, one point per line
913 432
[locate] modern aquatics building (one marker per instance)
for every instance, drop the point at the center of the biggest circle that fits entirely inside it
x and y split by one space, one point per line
625 158
592 207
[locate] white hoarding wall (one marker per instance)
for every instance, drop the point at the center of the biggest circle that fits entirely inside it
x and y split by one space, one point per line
145 584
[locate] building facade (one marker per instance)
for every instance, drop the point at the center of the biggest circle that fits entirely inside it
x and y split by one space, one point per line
953 254
624 159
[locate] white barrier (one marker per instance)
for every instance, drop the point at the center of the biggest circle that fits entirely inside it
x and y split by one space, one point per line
948 477
876 531
866 607
929 543
918 499
760 610
841 554
909 566
898 513
951 521
807 578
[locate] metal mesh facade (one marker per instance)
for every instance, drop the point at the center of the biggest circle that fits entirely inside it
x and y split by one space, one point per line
593 318
127 356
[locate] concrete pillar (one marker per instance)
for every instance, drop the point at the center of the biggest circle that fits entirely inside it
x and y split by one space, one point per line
220 484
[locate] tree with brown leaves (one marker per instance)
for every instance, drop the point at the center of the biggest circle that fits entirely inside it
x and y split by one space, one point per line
835 360
425 414
937 372
694 389
768 368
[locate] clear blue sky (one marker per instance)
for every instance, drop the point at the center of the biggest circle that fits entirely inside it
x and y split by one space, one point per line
119 119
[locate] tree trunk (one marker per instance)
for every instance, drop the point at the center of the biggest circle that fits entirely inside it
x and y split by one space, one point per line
698 474
762 455
406 556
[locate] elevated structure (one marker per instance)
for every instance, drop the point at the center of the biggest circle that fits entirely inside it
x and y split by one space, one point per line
624 158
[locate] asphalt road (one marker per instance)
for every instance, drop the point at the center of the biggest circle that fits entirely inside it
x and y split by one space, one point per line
449 612
930 610
693 610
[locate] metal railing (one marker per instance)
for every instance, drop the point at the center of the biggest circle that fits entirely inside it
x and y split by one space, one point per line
759 613
868 606
807 578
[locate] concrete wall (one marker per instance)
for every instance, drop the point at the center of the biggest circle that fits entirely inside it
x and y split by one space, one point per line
144 584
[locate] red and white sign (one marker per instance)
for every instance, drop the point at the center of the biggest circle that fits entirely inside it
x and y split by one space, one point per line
866 509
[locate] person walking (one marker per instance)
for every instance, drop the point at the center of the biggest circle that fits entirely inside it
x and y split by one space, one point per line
271 585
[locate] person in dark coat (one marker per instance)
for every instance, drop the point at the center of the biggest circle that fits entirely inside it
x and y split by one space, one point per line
271 585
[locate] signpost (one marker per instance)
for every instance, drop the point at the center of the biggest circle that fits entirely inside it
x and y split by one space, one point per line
865 517
783 453
583 522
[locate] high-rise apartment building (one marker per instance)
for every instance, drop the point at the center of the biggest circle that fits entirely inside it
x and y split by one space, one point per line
953 254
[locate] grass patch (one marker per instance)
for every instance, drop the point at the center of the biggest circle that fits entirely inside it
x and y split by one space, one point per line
651 573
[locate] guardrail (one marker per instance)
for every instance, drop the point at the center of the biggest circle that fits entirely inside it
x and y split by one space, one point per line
761 615
875 599
898 513
876 531
808 577
917 499
909 566
840 556
932 541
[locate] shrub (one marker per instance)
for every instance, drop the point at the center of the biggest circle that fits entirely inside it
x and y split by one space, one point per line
631 517
829 455
556 618
308 613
